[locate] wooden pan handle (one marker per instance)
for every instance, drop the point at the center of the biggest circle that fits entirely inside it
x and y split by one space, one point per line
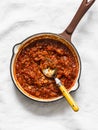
85 5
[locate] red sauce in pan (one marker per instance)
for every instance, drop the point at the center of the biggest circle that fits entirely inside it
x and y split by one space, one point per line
42 54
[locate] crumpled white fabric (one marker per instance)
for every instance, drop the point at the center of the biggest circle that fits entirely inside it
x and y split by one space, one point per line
20 19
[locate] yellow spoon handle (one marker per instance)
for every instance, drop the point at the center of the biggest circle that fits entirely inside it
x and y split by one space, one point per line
69 98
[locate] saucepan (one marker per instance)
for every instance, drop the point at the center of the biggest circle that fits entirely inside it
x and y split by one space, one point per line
63 39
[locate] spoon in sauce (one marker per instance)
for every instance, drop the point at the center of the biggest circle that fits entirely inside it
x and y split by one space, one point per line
51 73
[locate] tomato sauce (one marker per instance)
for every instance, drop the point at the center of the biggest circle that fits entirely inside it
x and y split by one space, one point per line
42 54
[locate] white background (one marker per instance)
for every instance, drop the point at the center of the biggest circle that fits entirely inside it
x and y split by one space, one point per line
20 19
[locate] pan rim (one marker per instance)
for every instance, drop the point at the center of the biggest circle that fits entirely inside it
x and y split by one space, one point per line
12 60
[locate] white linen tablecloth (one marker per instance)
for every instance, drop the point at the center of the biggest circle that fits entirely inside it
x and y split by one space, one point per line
20 19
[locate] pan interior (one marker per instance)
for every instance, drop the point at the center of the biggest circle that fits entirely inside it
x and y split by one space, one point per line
43 37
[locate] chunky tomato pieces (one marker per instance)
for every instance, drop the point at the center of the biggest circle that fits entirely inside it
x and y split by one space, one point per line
42 54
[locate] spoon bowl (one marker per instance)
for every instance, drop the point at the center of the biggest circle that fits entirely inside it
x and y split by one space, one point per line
50 73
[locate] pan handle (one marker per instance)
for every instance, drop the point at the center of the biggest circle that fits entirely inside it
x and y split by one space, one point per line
85 5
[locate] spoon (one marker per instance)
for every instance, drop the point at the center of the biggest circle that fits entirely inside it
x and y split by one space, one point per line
51 73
